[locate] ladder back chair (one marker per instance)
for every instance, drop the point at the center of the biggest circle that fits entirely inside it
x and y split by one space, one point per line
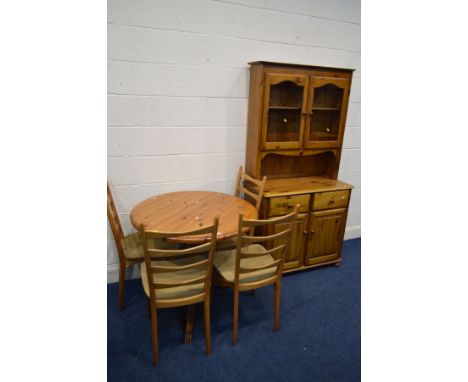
129 248
254 197
178 277
250 265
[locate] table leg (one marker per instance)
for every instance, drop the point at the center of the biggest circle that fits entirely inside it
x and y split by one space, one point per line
189 324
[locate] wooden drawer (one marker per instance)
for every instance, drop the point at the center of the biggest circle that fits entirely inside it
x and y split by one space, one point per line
285 204
332 199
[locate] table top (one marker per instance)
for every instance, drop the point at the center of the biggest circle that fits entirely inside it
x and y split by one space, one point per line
189 210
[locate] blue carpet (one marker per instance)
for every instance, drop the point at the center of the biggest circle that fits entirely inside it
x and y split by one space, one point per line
318 340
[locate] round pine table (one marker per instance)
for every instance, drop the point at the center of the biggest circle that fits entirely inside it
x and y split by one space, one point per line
189 210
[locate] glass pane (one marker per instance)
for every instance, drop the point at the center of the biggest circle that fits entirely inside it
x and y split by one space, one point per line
286 94
283 125
328 97
326 111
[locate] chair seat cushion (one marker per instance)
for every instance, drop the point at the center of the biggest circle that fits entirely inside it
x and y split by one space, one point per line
223 245
224 261
133 247
176 276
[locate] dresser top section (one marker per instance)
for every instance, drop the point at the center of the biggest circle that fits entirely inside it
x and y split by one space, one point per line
295 186
299 65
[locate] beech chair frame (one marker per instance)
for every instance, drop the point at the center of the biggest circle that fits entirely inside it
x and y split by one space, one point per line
253 198
242 178
152 254
118 234
278 252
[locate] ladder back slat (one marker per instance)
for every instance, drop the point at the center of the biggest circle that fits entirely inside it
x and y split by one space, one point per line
153 252
159 234
259 239
246 255
168 284
256 193
166 268
250 193
271 221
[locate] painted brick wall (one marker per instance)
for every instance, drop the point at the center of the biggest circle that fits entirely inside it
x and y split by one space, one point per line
178 89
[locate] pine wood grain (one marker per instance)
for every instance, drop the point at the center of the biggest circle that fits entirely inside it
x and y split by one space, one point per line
189 210
303 185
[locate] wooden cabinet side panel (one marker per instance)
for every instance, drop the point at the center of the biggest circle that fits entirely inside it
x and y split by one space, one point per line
254 121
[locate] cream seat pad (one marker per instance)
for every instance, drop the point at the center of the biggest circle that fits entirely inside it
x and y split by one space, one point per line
176 276
224 261
133 246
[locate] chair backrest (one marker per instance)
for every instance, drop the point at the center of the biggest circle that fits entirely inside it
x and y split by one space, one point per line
114 223
282 227
256 194
193 253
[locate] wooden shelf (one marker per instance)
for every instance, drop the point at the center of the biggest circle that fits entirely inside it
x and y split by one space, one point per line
285 107
326 108
323 135
295 186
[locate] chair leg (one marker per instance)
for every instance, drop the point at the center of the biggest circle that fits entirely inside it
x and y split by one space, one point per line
154 324
189 324
122 269
277 305
236 317
206 311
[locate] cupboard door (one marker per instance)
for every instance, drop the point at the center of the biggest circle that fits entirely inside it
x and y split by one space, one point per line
284 111
293 258
327 115
325 236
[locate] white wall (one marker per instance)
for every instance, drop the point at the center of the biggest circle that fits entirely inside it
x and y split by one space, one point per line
178 89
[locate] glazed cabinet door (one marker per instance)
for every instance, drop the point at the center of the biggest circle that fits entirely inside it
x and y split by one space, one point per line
327 107
298 240
325 236
284 111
